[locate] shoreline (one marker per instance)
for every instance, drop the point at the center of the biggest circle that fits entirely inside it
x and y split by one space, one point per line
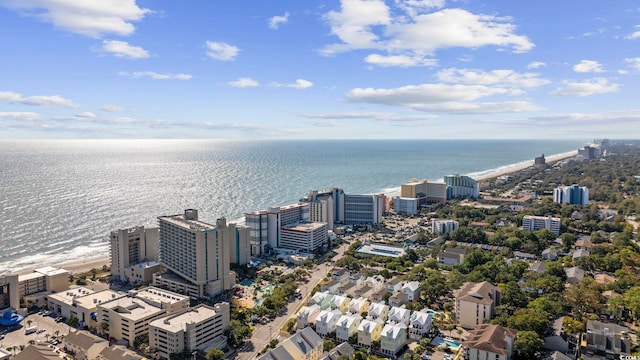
80 266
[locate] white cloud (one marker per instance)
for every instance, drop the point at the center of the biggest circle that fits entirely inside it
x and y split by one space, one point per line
243 82
155 75
86 115
89 18
122 49
325 123
221 51
399 60
301 84
635 34
20 115
378 116
417 7
39 100
276 21
369 24
501 77
588 66
586 88
442 98
111 108
536 65
633 63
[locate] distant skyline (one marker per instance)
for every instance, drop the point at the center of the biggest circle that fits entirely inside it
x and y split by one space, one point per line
364 69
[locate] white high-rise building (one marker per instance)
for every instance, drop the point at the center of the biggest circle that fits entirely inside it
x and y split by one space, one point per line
533 223
443 226
265 226
192 329
134 246
197 252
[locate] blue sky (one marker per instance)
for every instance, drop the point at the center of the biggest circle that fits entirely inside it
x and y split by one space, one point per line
432 69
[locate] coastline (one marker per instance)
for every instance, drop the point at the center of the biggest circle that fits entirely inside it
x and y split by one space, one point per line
87 263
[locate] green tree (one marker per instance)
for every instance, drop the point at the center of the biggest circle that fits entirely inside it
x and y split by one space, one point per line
529 320
214 354
328 344
527 343
238 332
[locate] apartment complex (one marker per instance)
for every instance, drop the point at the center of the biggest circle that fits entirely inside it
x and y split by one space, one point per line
574 194
415 193
461 186
443 226
533 223
265 225
198 328
606 340
134 254
303 236
196 255
363 209
35 286
128 317
475 303
81 303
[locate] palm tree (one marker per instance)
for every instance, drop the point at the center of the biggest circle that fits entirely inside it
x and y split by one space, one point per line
29 322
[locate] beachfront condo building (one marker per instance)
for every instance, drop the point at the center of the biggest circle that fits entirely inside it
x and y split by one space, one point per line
198 328
32 288
305 237
81 303
408 206
265 226
126 318
574 194
533 223
335 207
195 255
461 186
134 254
426 192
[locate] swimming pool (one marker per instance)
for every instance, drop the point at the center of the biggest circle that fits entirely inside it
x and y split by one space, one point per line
453 345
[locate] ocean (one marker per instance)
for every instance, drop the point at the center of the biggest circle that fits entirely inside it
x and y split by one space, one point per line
60 199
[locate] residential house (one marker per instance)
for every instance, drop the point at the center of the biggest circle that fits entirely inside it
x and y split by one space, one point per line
419 324
303 345
411 289
343 349
487 341
399 315
451 256
578 253
605 278
398 299
340 303
380 295
376 282
326 321
347 289
358 306
393 285
369 331
85 345
538 267
365 292
583 243
340 275
550 253
347 326
574 274
524 255
606 340
392 338
322 299
379 311
331 286
307 316
357 279
38 352
475 303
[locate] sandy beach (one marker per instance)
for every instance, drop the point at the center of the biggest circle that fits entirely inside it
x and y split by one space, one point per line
81 266
510 170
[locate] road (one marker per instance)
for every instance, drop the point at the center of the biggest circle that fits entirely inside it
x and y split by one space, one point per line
262 334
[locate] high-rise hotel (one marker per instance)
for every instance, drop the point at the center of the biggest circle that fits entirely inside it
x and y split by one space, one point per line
196 255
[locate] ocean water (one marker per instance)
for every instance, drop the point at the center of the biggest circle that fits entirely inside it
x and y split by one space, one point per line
60 198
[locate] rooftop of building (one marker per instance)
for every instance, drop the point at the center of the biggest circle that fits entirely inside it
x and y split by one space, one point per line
68 296
490 338
43 272
304 226
119 353
476 292
84 339
132 308
177 322
375 249
158 295
181 221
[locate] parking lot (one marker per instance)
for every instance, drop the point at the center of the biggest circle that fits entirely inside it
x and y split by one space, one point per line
47 326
